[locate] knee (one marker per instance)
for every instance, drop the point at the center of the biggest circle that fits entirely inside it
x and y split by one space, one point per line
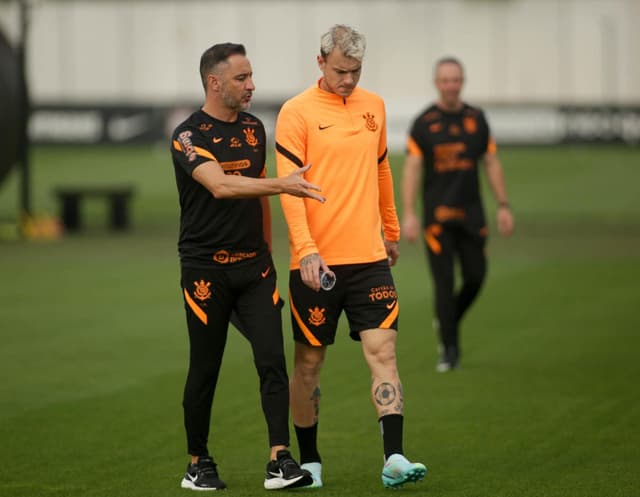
272 375
307 367
475 279
387 357
270 361
384 357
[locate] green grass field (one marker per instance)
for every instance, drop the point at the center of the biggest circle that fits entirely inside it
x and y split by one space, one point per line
94 348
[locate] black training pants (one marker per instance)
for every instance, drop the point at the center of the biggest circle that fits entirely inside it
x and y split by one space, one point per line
211 295
445 244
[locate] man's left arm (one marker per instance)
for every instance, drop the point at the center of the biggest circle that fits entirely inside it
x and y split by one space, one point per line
266 215
386 202
266 221
495 175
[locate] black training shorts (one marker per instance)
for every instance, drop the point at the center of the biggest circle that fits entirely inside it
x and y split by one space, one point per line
365 292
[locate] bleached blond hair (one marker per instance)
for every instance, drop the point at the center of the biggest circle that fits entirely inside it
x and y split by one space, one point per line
350 42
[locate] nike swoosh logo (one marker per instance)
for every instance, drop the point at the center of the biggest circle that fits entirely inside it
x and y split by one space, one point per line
390 306
279 474
123 128
320 127
266 272
192 478
217 140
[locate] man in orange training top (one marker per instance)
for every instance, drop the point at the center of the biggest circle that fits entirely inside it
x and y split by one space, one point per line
341 130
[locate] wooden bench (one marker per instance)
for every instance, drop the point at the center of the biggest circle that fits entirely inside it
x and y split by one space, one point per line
71 199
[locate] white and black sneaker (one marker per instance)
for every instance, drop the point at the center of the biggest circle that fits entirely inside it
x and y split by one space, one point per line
449 359
285 472
202 475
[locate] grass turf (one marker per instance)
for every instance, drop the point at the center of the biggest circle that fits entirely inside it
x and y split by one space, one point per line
94 348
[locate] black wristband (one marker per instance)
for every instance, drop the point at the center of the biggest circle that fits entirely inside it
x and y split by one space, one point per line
504 204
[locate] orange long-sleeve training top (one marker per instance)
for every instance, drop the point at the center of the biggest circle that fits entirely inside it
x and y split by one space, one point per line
345 140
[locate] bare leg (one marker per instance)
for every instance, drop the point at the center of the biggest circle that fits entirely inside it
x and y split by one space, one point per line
379 348
305 403
305 384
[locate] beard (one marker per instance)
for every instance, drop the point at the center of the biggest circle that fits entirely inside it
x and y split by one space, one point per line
233 103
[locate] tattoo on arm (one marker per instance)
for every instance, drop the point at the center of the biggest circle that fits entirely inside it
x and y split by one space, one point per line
308 259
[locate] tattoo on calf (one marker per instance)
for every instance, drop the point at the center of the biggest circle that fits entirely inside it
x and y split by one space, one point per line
315 399
385 394
400 404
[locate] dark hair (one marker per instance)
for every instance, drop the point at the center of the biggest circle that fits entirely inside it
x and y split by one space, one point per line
215 55
448 60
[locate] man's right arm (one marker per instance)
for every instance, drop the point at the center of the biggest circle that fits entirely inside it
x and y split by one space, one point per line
210 175
411 175
291 139
189 150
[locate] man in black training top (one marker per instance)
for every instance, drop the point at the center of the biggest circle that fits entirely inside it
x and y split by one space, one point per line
226 266
445 144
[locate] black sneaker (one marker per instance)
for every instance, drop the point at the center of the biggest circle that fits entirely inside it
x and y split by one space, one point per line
285 472
202 475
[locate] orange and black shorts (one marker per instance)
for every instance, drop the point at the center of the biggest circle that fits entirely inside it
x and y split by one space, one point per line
366 293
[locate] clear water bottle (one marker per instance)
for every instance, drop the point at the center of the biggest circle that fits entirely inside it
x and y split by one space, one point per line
327 280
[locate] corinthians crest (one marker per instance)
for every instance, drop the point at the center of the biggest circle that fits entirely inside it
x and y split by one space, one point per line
202 291
370 121
316 316
250 137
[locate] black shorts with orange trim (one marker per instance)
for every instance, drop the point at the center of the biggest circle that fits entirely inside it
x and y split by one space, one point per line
366 292
245 294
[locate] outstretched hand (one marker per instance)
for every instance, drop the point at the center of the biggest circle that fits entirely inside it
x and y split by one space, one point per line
296 185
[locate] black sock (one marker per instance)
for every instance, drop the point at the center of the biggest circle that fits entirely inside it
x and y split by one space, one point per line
308 443
391 428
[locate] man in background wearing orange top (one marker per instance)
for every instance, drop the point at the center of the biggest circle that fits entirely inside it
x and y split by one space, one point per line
446 142
340 129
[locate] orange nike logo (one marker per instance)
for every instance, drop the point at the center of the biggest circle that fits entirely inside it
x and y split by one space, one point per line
390 306
217 140
266 272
